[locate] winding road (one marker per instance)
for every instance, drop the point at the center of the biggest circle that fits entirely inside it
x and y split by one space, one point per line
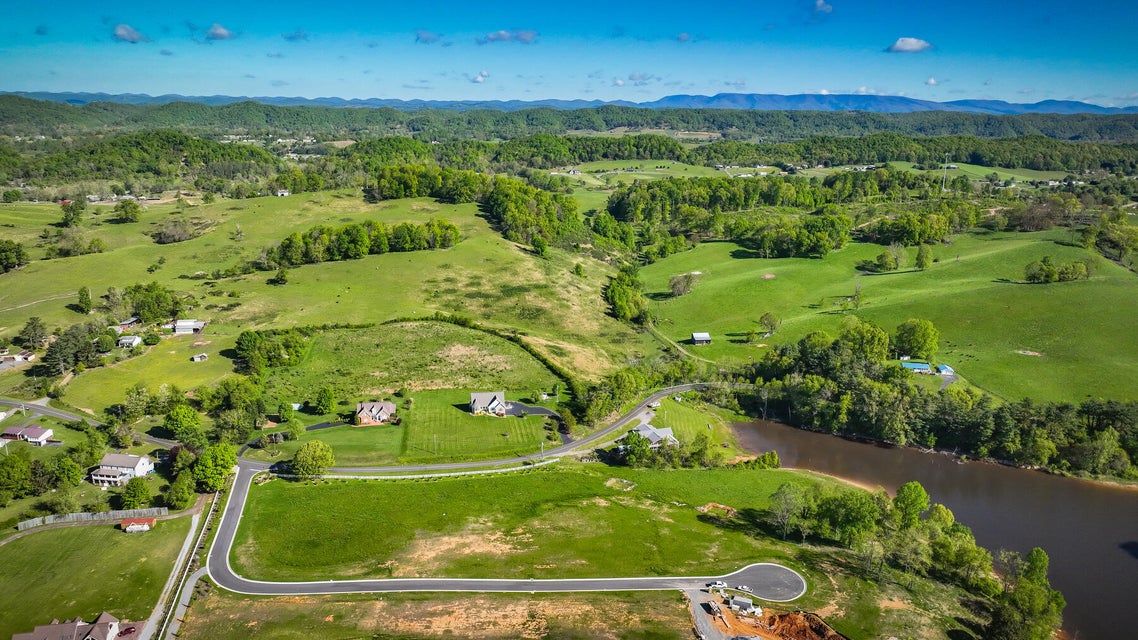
771 582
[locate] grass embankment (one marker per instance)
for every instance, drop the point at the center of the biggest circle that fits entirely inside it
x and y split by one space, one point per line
403 616
484 276
972 294
582 521
82 571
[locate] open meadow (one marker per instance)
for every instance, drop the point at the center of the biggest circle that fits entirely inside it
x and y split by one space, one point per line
1047 342
82 571
576 521
484 276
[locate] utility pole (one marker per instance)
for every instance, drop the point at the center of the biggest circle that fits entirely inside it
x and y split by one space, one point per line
436 445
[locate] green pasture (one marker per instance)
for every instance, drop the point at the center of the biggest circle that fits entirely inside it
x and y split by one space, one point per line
366 364
484 276
972 293
978 172
576 521
547 524
83 571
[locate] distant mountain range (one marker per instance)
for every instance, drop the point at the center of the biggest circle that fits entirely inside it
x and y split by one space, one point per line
743 101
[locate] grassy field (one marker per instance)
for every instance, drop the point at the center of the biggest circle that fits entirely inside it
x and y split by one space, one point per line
166 362
977 172
82 571
541 524
571 522
483 276
986 318
363 364
403 616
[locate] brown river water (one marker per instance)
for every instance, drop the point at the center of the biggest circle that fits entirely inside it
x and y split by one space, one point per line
1089 530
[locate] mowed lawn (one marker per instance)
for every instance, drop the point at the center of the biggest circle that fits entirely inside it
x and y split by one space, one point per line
585 521
437 427
972 294
82 571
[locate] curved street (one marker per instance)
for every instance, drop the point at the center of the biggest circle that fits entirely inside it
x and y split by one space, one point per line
770 582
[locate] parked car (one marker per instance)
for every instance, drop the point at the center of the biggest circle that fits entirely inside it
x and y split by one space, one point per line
744 588
718 584
127 631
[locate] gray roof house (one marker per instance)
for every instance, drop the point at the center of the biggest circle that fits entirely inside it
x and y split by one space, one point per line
117 469
656 435
374 412
130 342
488 403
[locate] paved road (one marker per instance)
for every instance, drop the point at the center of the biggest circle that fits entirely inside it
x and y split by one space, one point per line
40 407
599 437
770 581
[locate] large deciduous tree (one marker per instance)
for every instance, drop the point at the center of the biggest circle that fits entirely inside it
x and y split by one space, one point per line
313 459
213 466
917 337
136 495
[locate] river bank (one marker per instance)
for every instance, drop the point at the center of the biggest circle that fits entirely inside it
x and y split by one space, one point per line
1089 529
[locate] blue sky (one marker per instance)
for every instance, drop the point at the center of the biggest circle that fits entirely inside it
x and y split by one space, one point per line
1013 50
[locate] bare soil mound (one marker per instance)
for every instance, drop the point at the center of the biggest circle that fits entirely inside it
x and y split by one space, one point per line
799 626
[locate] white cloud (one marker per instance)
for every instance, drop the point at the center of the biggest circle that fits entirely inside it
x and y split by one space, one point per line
865 91
821 6
523 36
1129 96
422 36
640 78
127 33
617 82
931 81
909 45
481 77
825 92
218 32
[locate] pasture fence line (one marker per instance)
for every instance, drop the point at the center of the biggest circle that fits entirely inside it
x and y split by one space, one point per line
92 517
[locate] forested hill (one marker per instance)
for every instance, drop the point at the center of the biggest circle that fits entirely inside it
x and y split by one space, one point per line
25 117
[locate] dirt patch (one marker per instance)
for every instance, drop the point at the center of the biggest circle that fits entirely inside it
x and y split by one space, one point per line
715 506
202 343
1025 352
620 483
598 501
427 554
894 604
769 276
779 626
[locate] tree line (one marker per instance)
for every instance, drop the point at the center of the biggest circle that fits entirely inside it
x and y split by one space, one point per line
24 116
355 240
844 385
